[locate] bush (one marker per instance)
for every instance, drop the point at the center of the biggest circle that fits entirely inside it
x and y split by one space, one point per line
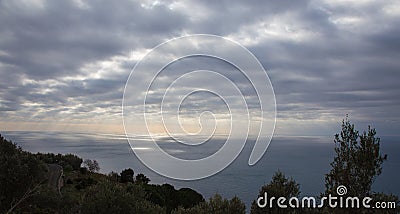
108 197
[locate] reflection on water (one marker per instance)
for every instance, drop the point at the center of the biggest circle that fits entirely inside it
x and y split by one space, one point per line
306 159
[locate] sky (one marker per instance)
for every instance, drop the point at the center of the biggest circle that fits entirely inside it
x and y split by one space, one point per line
64 64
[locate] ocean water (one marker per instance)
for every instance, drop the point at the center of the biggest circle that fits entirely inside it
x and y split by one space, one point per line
304 158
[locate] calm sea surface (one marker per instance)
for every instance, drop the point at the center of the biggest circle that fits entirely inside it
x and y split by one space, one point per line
306 159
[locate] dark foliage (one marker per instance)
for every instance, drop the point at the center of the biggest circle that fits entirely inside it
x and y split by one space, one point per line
140 178
91 165
20 174
280 186
110 197
167 196
357 163
189 198
215 205
127 176
82 183
67 161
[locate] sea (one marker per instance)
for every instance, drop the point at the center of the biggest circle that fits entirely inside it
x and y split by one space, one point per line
306 159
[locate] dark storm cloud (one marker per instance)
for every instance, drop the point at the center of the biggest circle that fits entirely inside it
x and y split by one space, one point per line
324 58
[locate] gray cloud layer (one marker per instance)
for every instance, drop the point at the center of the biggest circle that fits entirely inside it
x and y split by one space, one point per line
69 60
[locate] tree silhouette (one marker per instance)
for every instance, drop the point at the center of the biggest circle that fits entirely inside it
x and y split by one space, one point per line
127 175
92 165
280 186
357 163
141 178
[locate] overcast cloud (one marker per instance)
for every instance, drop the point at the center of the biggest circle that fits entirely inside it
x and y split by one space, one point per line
66 62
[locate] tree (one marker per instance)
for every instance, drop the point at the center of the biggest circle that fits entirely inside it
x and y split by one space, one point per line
357 163
141 178
21 174
280 186
189 198
167 196
73 160
236 206
91 165
127 175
